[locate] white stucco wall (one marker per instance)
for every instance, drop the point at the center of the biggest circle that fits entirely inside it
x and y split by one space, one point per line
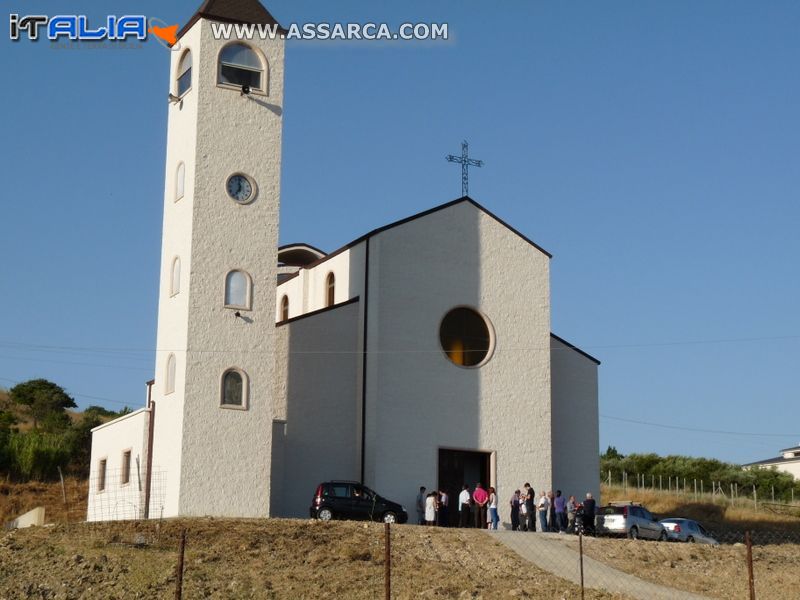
576 441
216 461
320 439
307 291
109 441
793 468
225 452
418 401
173 310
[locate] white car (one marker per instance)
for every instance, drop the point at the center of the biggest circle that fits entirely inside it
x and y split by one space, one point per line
686 530
629 519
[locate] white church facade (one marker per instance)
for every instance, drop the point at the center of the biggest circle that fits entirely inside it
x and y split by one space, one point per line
419 354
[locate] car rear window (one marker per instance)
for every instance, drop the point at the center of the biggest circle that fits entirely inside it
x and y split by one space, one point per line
337 490
612 510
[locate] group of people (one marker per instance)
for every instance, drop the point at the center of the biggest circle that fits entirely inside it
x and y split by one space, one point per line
479 508
556 513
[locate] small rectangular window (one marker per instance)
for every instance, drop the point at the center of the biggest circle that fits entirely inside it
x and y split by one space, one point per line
101 475
126 467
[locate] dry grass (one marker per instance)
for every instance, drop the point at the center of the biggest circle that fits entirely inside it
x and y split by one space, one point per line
720 516
719 572
19 498
272 558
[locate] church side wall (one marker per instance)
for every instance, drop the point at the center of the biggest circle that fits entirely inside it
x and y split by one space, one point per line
418 401
318 440
118 500
576 452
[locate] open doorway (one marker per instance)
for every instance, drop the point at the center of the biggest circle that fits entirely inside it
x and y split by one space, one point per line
457 467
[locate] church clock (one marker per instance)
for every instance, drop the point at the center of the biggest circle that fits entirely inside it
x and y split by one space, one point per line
241 188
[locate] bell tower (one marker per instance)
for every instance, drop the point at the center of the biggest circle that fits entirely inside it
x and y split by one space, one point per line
212 429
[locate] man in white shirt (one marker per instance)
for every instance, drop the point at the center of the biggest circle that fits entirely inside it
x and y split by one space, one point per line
463 506
543 505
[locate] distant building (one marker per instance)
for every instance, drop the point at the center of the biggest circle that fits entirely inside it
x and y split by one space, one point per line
788 462
418 354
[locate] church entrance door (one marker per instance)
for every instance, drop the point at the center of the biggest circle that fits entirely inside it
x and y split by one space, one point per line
457 467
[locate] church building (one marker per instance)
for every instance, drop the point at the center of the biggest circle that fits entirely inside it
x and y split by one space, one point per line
418 354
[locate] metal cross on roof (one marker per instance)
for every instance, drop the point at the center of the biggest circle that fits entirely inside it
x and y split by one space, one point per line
465 162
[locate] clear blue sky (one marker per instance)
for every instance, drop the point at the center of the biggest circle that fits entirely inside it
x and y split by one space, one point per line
652 147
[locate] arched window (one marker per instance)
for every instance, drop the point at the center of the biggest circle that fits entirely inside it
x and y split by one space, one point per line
184 73
234 389
180 178
285 308
175 277
239 65
237 290
330 289
169 380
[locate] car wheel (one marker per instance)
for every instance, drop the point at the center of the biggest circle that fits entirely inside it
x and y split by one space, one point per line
324 514
662 537
389 517
690 539
634 533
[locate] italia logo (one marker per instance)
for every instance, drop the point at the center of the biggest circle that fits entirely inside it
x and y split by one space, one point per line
78 27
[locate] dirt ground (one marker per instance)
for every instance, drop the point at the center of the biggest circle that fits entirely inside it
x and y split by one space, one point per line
272 558
718 572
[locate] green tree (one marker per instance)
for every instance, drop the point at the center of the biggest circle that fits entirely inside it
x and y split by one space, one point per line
612 454
79 441
46 402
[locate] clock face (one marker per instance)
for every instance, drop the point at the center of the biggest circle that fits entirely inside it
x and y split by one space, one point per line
240 188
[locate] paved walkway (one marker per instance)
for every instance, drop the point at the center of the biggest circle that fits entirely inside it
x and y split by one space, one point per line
548 552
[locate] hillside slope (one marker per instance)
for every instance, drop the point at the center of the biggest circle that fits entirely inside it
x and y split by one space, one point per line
271 558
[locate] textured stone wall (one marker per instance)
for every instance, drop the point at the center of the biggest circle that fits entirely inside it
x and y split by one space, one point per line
418 401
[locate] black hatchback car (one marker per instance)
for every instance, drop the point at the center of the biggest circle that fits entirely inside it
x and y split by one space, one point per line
351 500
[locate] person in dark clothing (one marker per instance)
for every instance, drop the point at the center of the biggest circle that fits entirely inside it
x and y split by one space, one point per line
589 508
514 503
530 508
444 507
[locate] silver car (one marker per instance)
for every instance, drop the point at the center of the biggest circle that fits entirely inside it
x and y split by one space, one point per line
629 519
686 530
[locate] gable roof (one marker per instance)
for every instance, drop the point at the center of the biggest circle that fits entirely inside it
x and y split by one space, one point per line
231 11
414 217
575 348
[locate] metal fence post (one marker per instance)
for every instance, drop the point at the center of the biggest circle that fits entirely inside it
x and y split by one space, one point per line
580 553
750 577
179 568
387 562
64 494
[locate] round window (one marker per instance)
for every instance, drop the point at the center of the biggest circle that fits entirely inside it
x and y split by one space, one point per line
465 337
